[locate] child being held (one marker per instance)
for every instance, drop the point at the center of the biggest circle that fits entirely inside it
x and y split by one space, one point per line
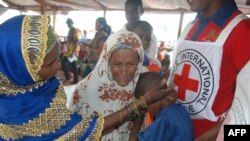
144 30
172 122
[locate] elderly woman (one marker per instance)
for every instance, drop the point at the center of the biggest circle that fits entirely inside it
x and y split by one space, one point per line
111 84
33 101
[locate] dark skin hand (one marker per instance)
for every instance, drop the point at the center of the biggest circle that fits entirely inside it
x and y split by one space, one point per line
153 109
151 96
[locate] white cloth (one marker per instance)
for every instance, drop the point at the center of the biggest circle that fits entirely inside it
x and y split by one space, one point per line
196 72
73 58
239 113
100 93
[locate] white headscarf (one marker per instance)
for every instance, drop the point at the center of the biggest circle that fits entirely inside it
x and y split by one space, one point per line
100 93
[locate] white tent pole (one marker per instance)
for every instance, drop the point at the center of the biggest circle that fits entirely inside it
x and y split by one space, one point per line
104 13
180 23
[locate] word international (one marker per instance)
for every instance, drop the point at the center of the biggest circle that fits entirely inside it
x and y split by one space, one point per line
233 132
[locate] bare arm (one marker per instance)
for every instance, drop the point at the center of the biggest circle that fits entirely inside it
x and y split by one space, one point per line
136 127
151 96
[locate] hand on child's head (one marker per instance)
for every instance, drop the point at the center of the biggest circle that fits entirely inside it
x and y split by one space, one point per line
170 98
156 93
173 94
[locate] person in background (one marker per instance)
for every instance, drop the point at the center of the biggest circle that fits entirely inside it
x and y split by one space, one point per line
33 100
144 30
95 48
163 49
165 64
85 33
210 53
70 56
133 11
171 121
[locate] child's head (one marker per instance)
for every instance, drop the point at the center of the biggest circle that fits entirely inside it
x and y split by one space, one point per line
145 82
144 30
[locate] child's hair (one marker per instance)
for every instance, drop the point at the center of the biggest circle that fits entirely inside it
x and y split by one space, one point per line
105 27
146 81
143 25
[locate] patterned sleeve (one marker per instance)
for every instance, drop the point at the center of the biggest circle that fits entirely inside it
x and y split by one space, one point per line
89 129
75 103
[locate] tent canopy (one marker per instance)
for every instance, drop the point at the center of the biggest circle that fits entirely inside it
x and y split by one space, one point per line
48 6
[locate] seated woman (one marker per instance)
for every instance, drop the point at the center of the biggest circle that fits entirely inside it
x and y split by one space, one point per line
110 86
33 101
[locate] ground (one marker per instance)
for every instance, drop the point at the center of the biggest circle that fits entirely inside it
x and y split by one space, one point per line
65 82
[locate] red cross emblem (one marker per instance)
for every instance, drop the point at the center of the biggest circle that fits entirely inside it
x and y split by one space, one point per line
184 83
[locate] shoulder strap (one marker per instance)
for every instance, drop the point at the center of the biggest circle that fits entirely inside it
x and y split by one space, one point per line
227 30
186 30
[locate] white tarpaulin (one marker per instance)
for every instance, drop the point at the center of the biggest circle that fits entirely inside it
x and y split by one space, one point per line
67 5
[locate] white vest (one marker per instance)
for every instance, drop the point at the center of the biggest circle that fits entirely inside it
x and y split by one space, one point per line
239 113
196 72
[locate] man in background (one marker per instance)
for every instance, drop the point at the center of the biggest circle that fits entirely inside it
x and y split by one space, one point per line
133 11
70 56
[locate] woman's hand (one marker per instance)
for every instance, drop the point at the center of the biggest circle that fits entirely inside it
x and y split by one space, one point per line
168 100
157 93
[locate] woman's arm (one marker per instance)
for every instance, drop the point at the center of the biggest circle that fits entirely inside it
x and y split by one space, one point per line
151 96
136 127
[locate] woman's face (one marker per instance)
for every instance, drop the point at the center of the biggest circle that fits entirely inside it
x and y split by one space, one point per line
51 63
123 65
132 13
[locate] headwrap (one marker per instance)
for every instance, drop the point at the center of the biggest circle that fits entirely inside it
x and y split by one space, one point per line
32 109
100 93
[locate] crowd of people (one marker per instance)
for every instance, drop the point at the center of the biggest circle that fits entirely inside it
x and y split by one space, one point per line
127 93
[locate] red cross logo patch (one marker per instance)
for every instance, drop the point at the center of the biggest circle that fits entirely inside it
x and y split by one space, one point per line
194 79
185 83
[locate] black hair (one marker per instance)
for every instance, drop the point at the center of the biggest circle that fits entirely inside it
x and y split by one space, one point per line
146 81
105 27
137 3
144 25
69 21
